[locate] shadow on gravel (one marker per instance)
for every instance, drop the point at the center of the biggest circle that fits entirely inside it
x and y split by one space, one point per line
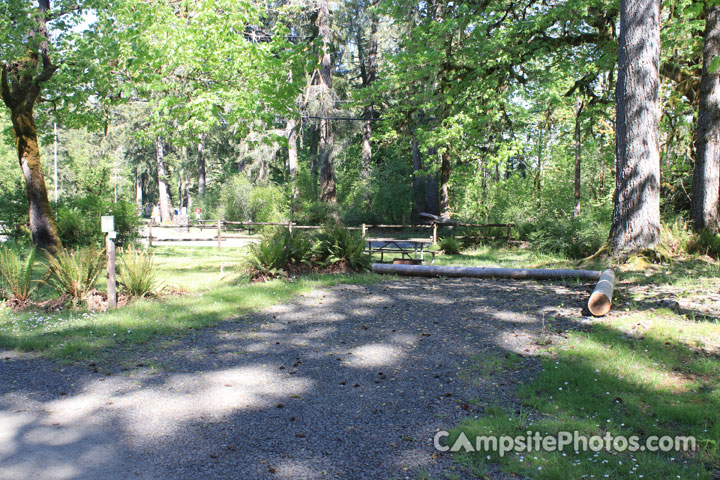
349 382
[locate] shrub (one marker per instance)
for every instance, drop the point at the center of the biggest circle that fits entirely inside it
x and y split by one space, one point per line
706 242
338 244
235 199
675 238
17 274
75 272
268 204
78 221
137 275
450 245
277 250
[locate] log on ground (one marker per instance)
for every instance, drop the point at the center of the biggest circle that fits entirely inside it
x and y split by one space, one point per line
482 272
601 298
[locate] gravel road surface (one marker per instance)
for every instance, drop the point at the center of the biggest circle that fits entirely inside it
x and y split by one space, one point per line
350 382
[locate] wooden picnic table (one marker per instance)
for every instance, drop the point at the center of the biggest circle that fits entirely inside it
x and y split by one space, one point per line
406 247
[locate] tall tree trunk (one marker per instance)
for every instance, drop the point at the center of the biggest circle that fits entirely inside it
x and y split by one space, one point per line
706 176
369 74
20 83
636 215
578 155
419 181
138 189
444 185
42 221
314 148
431 190
328 191
291 135
537 183
162 183
202 180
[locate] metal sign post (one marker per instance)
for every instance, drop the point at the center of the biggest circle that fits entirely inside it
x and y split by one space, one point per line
108 227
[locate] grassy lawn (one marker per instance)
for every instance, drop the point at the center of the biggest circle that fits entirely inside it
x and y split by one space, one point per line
643 371
213 289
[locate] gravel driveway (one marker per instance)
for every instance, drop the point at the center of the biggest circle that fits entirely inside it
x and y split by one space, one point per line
344 383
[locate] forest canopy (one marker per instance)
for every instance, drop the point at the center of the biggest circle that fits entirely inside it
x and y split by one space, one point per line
363 111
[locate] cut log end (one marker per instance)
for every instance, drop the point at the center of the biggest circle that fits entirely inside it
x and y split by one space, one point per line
601 298
599 305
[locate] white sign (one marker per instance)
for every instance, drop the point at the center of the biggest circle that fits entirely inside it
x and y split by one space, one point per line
107 223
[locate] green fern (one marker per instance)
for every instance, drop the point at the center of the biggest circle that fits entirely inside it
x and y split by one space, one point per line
75 272
337 244
136 275
17 274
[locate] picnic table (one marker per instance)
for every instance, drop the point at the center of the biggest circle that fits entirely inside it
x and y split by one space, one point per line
406 247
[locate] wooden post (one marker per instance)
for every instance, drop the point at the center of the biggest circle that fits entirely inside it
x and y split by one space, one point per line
219 233
111 287
434 234
150 234
509 233
364 230
290 227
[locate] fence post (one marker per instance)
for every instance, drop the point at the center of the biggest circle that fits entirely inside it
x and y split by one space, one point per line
290 227
364 229
509 233
111 288
434 235
150 234
219 233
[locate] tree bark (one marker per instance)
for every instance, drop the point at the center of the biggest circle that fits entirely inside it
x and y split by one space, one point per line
42 221
328 191
419 182
370 73
202 180
20 84
138 189
162 183
706 175
444 185
636 215
578 155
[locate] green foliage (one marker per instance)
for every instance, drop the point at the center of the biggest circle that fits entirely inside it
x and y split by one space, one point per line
17 275
277 250
706 242
78 221
574 237
675 238
75 272
338 244
235 199
240 201
136 275
268 204
450 245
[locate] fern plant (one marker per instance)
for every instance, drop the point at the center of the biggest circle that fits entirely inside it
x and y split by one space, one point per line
338 244
75 272
17 274
136 275
450 245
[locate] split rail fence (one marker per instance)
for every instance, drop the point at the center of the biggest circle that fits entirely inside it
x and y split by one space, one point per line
224 230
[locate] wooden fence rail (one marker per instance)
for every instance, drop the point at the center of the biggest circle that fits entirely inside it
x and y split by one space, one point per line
364 228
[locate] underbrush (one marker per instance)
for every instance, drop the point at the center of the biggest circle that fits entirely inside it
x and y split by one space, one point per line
332 250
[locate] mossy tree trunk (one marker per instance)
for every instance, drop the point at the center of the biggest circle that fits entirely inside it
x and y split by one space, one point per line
21 82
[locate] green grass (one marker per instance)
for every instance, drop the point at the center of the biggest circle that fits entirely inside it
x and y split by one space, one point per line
642 374
214 291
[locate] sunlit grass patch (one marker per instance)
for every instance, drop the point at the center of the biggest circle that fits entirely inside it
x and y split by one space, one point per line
635 375
215 292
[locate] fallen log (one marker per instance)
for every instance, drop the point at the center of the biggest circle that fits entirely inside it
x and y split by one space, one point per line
601 298
482 272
